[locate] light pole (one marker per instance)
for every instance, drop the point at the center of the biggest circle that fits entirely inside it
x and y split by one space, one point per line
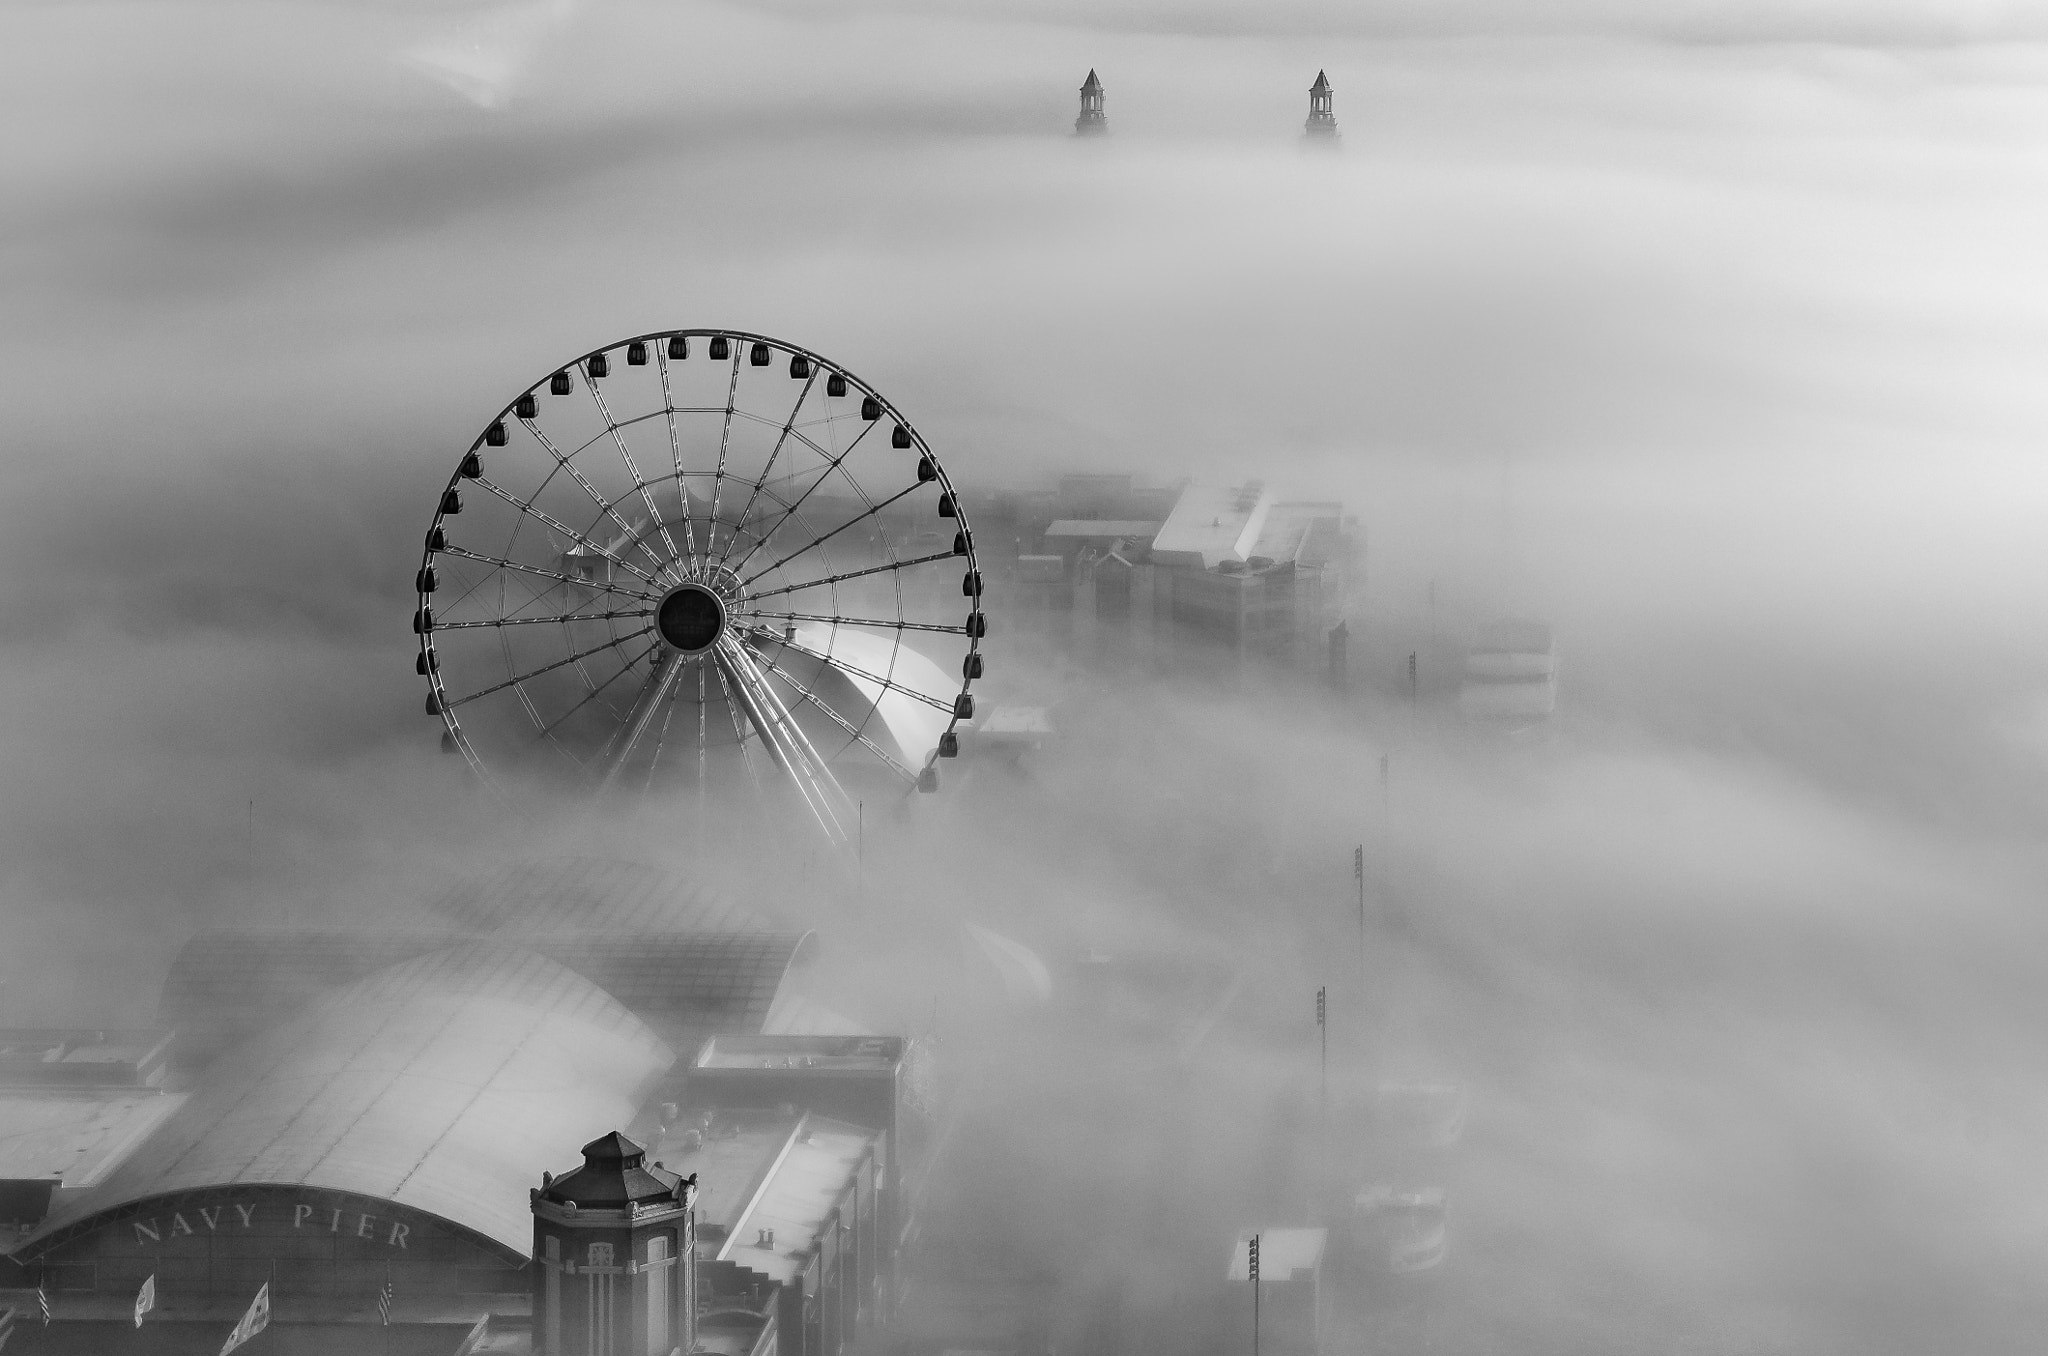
1323 1030
1253 1267
1358 875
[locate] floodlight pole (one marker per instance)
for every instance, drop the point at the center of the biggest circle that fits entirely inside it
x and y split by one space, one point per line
1358 874
1323 1030
1252 1266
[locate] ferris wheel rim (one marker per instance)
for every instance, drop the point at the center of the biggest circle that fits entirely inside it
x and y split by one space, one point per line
688 560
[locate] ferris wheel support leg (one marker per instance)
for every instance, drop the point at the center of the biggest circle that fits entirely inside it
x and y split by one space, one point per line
786 743
652 697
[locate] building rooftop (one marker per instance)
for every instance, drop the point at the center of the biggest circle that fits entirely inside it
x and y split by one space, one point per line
76 1136
1015 722
1212 523
822 1053
614 1174
588 894
1283 1254
732 1153
445 1083
763 1172
228 985
781 1224
57 1057
1099 529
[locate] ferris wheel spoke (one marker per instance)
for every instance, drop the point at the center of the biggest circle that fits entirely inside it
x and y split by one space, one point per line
834 463
633 471
739 729
504 564
849 574
592 695
604 505
542 621
732 391
668 714
675 447
654 694
535 673
768 468
853 732
873 509
878 622
543 516
887 682
785 740
703 725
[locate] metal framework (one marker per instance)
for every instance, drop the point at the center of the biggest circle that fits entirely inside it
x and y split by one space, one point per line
698 555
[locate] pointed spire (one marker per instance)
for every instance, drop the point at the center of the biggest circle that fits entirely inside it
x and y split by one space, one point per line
1322 122
1092 121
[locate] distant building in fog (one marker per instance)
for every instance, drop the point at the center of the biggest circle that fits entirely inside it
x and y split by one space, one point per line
1092 121
1294 1292
1322 122
1229 570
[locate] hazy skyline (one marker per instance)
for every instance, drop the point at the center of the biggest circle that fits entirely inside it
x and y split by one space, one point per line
1709 336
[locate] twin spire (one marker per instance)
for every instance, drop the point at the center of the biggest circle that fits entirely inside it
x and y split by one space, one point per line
1091 122
1322 122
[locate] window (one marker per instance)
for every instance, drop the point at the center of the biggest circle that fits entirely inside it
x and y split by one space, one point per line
658 1272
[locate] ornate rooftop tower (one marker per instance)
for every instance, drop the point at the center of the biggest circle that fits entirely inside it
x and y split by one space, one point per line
1321 121
1091 122
614 1244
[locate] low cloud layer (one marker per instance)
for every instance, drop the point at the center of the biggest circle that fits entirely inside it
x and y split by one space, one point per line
1707 336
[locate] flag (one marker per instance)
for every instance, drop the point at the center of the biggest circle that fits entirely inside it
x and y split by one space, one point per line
145 1298
253 1322
478 1335
43 1303
384 1302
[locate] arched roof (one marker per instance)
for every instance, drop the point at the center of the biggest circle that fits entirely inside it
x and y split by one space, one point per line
445 1083
226 985
843 667
564 894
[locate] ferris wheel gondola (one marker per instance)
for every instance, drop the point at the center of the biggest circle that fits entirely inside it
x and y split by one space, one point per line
699 555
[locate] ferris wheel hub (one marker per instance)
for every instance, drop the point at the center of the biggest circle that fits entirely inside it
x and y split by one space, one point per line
690 618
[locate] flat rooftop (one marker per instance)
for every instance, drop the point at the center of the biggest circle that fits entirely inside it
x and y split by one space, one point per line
50 1057
76 1135
1283 1254
864 1053
1212 523
1101 529
1015 721
763 1173
781 1224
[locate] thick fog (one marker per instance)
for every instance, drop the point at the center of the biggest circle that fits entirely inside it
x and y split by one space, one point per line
1709 334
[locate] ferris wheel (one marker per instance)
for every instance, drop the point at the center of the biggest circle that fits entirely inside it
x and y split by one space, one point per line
702 556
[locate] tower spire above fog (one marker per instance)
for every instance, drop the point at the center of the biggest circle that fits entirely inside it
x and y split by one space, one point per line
1092 122
1322 123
